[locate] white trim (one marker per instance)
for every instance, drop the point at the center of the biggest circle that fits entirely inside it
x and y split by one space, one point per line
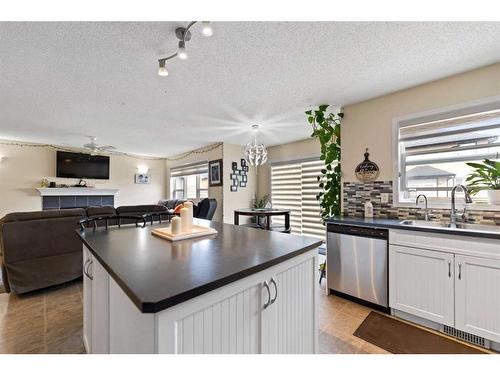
395 152
75 191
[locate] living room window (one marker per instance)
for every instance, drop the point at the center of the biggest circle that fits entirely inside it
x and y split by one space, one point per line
433 149
294 187
189 181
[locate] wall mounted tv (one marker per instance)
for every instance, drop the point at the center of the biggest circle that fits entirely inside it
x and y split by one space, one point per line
74 165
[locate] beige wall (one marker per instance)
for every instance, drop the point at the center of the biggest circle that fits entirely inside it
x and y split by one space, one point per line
304 149
369 123
23 168
244 196
196 156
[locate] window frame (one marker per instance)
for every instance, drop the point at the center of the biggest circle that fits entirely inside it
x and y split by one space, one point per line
172 192
475 106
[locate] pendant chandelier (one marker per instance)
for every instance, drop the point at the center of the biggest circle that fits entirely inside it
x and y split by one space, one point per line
255 153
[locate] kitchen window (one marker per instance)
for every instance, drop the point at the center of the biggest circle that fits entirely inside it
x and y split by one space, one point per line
294 186
189 181
432 150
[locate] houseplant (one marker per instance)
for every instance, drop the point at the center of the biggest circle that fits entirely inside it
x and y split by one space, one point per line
259 203
486 176
326 127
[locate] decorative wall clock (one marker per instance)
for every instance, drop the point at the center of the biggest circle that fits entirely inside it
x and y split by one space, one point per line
367 171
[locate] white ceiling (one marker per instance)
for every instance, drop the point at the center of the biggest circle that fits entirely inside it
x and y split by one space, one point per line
60 82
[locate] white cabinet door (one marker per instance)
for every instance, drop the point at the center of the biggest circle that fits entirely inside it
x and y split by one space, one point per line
289 324
219 323
87 302
100 308
421 283
477 296
232 319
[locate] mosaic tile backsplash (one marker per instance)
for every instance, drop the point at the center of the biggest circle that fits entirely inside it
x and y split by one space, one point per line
357 193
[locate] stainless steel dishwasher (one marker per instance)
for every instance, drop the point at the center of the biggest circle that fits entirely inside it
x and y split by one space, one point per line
357 264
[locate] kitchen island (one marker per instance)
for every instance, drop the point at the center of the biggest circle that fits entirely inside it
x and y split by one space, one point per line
243 290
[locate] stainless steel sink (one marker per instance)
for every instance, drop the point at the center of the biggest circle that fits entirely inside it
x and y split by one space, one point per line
423 223
458 226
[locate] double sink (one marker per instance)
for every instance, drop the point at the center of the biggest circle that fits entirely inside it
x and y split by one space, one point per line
458 226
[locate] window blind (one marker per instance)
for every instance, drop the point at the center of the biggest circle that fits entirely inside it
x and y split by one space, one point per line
433 151
294 186
189 169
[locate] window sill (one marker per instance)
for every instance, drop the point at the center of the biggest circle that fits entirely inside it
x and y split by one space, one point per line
446 206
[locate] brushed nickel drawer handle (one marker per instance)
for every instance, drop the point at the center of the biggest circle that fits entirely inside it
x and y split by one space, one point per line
459 271
275 289
266 305
449 269
85 265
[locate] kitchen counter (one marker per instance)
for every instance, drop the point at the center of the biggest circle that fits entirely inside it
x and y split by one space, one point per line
145 294
157 274
397 224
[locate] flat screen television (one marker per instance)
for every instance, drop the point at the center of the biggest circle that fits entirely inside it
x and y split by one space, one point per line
75 165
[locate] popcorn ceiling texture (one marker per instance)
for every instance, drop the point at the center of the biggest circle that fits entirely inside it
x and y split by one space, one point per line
357 193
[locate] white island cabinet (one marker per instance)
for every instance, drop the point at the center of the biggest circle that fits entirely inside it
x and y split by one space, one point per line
446 281
271 311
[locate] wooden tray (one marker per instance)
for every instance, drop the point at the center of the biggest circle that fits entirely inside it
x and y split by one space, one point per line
196 231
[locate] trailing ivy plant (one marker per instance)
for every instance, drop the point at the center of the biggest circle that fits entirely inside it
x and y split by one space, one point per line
326 127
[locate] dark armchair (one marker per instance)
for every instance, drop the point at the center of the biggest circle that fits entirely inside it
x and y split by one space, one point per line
206 209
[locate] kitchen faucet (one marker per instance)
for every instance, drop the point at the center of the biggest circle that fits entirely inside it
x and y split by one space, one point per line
453 211
425 200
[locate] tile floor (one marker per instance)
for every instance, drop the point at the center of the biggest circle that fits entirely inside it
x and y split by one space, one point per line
50 321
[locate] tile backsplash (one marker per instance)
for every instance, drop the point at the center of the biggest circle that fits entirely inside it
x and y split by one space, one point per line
357 193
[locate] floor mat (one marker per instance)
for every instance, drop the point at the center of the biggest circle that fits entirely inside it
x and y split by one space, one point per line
398 337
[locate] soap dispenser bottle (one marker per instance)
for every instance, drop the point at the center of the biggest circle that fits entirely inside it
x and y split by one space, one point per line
368 209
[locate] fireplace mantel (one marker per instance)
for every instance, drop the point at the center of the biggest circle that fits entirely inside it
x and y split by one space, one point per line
76 197
75 191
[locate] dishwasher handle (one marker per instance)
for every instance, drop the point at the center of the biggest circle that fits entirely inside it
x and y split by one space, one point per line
358 231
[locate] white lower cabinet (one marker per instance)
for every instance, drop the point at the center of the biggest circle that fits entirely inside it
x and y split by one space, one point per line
288 323
477 296
421 283
87 303
272 311
95 305
449 280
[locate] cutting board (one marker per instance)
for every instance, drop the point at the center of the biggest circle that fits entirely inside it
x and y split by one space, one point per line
196 231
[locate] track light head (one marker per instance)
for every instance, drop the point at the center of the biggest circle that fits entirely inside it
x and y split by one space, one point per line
181 52
206 29
162 69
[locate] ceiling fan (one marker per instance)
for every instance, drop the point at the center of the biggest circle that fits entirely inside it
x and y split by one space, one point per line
94 147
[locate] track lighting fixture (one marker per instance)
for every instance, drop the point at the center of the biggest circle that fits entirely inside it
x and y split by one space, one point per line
184 35
162 69
206 28
181 51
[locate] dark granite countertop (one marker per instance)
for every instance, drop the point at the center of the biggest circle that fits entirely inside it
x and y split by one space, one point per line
483 231
157 274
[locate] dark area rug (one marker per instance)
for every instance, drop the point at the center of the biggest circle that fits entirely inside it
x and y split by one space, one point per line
398 337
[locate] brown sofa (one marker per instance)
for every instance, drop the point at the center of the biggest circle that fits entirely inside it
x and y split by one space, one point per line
40 249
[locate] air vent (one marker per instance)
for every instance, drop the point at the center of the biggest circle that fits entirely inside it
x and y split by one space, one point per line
470 338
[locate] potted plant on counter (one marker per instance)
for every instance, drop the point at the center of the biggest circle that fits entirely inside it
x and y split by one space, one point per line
486 176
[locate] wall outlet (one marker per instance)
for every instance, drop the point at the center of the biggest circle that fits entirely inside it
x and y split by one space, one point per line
384 198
